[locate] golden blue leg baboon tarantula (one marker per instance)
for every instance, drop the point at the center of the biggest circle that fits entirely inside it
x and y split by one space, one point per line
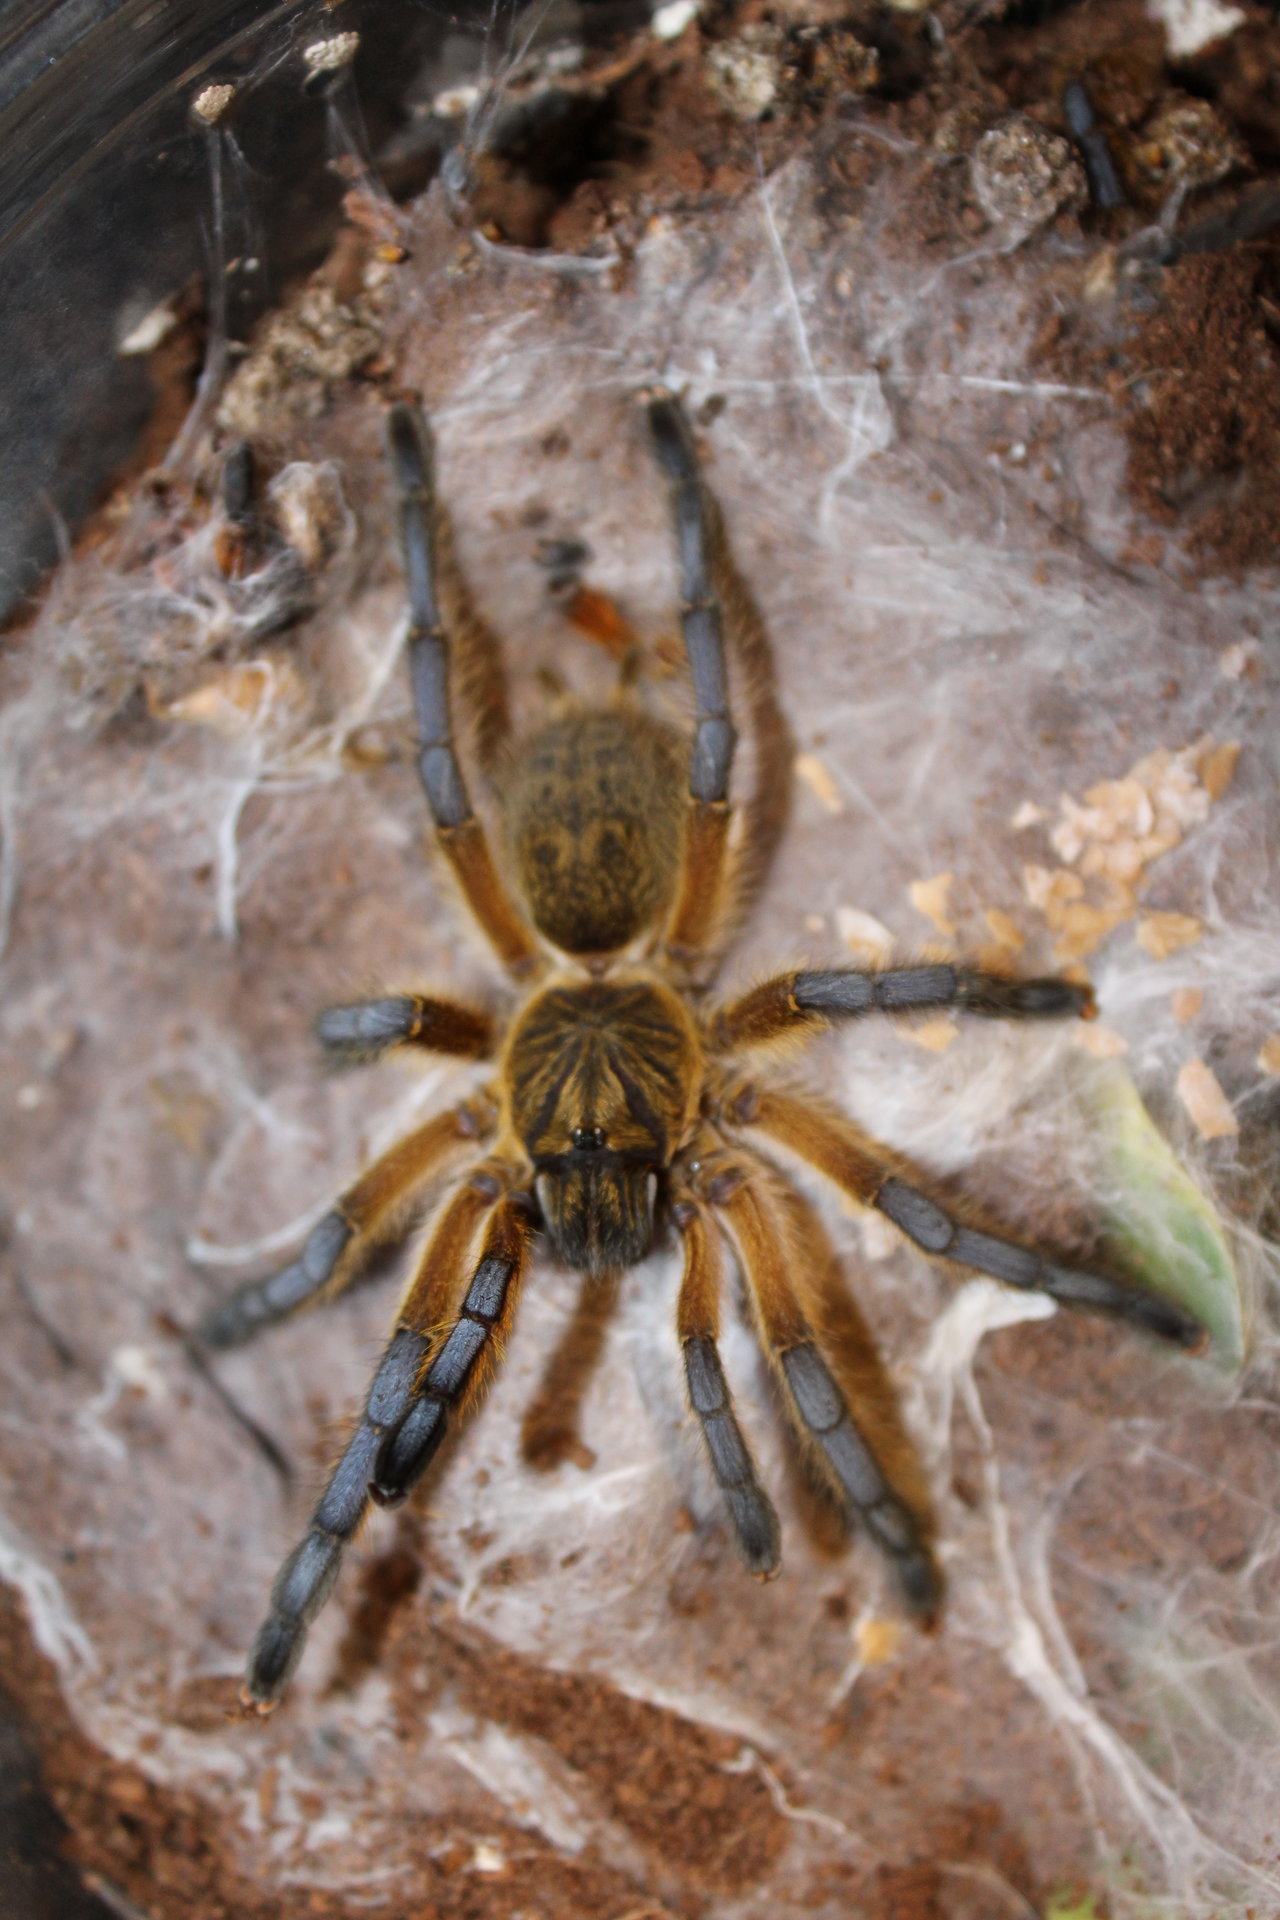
623 1100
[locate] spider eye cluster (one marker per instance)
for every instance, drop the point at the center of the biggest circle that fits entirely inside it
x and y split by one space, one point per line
589 1139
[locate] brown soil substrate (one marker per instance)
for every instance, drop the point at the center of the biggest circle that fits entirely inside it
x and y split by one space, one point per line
1204 419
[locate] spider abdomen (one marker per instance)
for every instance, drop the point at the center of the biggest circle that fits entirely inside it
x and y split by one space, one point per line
594 817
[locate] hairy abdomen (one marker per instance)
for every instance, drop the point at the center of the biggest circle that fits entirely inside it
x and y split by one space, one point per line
594 818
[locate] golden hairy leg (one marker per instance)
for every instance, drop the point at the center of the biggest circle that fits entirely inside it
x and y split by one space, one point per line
751 1512
363 1218
432 1362
718 620
437 598
550 1431
777 1255
364 1030
870 1174
806 1001
696 914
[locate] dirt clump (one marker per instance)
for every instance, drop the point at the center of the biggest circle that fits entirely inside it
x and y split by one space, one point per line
1203 421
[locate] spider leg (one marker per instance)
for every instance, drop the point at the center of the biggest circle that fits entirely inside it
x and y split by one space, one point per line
336 1245
700 622
697 916
758 1228
873 1176
794 1003
462 1358
367 1029
475 654
549 1432
460 833
717 883
755 1523
241 529
306 1579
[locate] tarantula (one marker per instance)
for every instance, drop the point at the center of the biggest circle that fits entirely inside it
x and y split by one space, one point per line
623 1098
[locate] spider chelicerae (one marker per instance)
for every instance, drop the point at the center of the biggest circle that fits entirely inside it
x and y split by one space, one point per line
627 1102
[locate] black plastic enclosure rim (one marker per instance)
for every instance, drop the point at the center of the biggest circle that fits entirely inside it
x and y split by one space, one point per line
75 75
105 207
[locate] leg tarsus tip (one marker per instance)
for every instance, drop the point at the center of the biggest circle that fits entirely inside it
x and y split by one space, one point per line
254 1705
388 1497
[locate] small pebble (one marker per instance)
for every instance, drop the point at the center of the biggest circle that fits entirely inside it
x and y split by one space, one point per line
744 73
1023 175
1190 144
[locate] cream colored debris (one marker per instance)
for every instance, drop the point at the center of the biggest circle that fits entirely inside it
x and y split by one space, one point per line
1104 1043
329 56
929 897
1161 934
745 72
147 334
1234 661
1192 24
309 509
1004 931
1217 767
868 939
1081 925
1100 279
301 354
669 22
936 1035
877 1641
1186 1003
244 699
1210 1110
211 103
1269 1054
820 781
1107 840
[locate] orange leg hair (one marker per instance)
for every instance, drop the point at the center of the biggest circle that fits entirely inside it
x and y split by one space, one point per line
748 1205
366 1214
462 1354
419 1368
459 831
476 655
797 1003
718 880
873 1176
698 911
366 1029
549 1432
755 1523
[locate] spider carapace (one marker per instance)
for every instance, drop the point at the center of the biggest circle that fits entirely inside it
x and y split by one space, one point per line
627 1103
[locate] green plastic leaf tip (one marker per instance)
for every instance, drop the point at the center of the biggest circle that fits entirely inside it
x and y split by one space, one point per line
1165 1231
1072 1906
